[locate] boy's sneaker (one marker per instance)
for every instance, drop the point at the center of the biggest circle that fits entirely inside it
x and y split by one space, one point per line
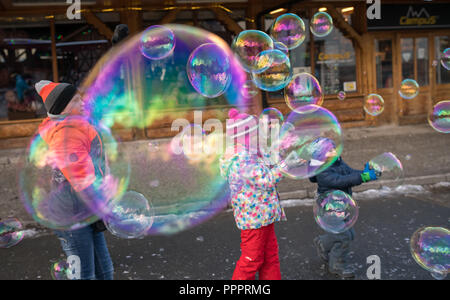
343 272
320 249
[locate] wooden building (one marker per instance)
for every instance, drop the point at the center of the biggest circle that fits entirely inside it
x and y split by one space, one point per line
371 49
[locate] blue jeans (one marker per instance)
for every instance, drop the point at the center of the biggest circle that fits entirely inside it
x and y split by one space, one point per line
91 248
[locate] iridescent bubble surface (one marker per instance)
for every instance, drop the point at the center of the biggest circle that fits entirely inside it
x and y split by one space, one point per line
445 59
247 45
270 122
387 167
321 24
11 232
409 89
430 248
132 216
277 75
208 69
304 89
374 104
157 42
289 29
282 47
310 141
335 211
439 118
249 90
59 270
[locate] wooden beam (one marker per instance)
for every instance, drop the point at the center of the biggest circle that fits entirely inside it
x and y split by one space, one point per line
170 17
54 54
225 19
75 33
133 19
340 23
104 30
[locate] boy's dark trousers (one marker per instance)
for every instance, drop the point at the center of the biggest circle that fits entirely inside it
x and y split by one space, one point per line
338 247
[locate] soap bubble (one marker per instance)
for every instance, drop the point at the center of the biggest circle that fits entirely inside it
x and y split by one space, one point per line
430 248
310 141
11 233
321 24
59 270
409 89
279 73
193 142
157 42
282 47
125 90
341 95
289 29
249 89
387 166
272 114
247 45
335 211
439 118
445 59
374 104
208 69
304 89
132 216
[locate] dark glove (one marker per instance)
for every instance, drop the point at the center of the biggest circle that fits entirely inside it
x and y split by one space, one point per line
368 176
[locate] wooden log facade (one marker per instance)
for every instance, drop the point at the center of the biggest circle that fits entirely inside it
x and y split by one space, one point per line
361 56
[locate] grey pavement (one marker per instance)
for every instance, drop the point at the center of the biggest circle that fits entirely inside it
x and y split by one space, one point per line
210 250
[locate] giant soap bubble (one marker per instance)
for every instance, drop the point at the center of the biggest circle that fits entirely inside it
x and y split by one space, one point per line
335 211
430 248
310 141
127 91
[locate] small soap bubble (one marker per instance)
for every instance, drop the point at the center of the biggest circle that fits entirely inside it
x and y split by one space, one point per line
157 42
409 89
321 24
335 211
374 104
289 29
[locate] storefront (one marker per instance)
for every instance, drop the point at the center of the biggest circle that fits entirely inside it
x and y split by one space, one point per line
407 44
360 56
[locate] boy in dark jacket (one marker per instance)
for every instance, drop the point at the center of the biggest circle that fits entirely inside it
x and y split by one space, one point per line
334 248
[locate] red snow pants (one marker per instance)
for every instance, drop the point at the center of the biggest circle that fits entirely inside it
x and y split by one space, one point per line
259 253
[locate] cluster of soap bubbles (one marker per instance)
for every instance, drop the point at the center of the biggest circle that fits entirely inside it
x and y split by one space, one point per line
11 233
335 211
430 248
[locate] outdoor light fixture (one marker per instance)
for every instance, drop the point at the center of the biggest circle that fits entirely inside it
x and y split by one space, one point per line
322 9
277 11
348 9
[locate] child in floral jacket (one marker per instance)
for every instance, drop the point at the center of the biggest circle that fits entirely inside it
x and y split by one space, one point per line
256 207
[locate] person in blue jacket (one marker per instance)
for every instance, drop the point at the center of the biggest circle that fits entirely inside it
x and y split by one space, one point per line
334 248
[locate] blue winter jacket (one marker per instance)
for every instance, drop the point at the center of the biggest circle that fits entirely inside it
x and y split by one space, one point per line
339 176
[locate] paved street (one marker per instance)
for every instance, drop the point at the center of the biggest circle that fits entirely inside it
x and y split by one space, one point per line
209 251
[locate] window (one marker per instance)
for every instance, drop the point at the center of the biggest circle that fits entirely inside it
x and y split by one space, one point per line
415 59
440 44
335 63
383 57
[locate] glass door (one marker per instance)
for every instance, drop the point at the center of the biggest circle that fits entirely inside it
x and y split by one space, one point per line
415 65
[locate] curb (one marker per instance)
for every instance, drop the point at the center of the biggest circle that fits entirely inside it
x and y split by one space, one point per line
309 193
